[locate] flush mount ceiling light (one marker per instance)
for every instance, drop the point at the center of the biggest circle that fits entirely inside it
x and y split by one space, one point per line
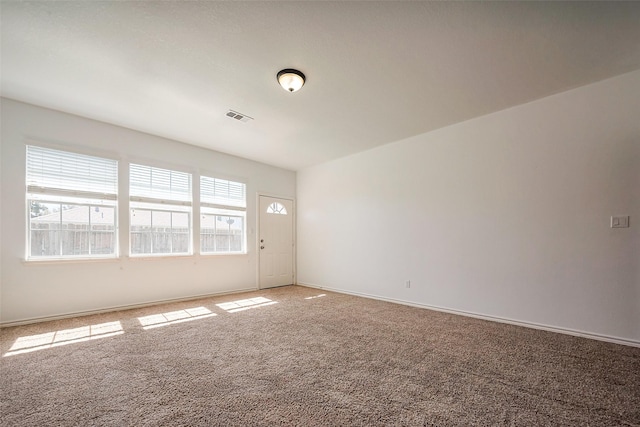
291 80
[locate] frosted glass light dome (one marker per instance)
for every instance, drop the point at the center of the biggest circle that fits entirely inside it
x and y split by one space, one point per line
291 80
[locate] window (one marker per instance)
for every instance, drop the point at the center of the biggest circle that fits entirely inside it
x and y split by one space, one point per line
72 205
276 208
160 211
222 224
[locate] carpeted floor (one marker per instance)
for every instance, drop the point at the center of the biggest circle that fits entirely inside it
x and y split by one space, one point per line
289 356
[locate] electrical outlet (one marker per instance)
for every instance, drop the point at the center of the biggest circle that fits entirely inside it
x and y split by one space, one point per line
620 221
407 283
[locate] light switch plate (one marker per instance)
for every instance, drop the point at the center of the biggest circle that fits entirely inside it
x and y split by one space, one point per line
620 221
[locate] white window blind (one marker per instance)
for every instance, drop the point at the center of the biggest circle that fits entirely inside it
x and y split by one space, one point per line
64 173
216 191
154 184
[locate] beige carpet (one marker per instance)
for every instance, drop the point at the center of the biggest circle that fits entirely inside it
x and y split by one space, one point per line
288 356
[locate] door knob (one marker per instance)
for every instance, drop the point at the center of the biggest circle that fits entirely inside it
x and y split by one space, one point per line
261 247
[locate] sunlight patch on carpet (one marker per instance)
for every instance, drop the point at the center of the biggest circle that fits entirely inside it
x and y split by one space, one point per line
173 317
316 296
245 304
31 343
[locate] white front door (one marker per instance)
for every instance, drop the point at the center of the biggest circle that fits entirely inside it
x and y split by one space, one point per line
275 242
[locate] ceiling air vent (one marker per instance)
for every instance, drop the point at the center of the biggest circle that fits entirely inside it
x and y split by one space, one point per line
238 116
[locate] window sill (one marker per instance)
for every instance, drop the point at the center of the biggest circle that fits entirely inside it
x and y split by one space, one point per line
150 257
51 261
215 254
164 257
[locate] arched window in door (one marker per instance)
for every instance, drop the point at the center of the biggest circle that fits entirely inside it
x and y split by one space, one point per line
276 208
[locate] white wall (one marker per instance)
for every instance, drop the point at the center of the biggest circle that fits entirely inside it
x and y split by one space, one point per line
40 289
506 215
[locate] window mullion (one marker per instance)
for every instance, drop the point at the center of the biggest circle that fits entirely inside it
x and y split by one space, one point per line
89 231
171 232
60 233
215 233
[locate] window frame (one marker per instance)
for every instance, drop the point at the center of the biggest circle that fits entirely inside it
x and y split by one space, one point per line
212 206
153 204
46 192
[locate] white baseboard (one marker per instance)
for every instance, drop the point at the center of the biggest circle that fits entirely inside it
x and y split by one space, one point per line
117 308
556 329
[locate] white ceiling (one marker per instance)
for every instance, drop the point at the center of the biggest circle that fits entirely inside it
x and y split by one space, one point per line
376 72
